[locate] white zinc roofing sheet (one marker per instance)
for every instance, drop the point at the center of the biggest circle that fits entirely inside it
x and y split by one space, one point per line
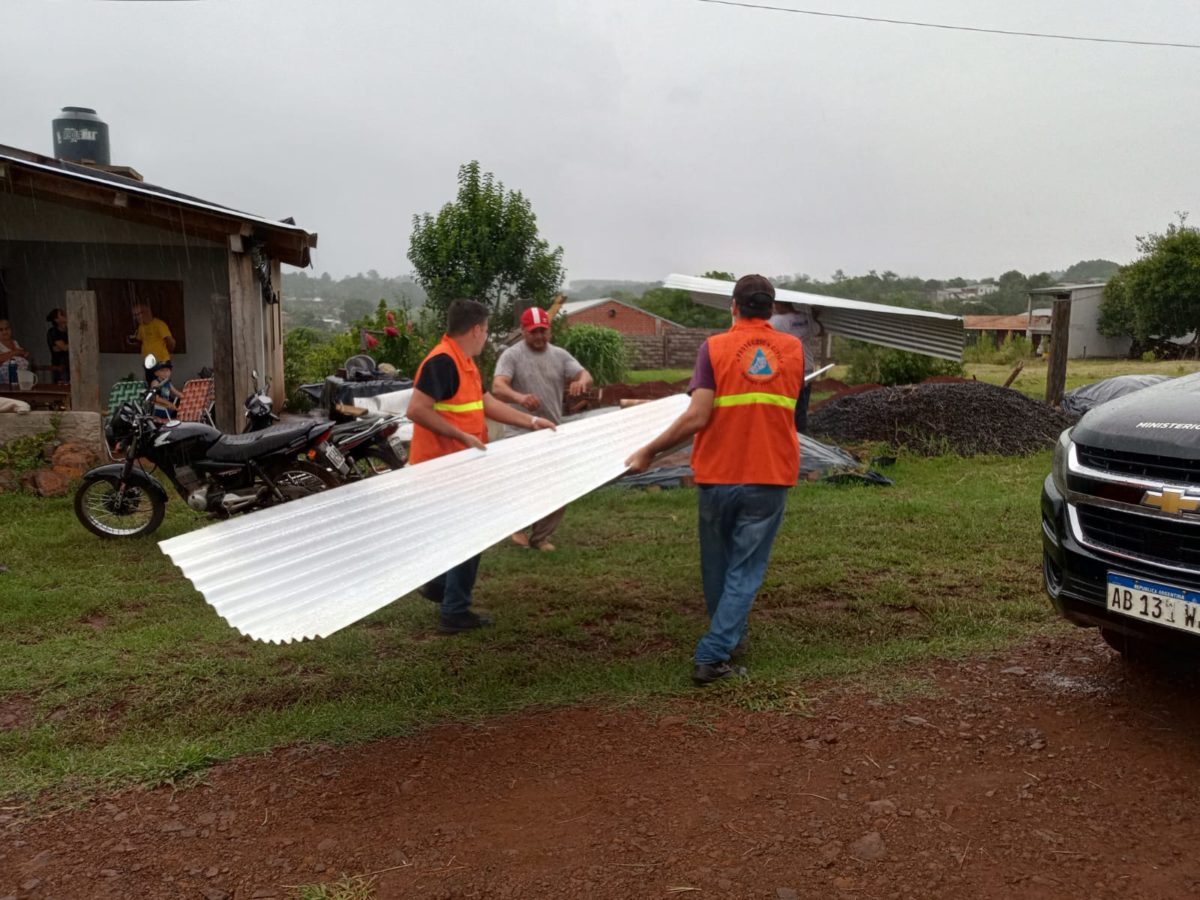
915 330
312 566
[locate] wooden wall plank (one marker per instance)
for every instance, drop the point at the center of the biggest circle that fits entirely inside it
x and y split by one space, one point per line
226 399
83 324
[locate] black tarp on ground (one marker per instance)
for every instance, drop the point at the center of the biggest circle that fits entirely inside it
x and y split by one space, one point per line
1082 399
818 461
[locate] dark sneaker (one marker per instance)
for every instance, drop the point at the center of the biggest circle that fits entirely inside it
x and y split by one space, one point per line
460 622
740 650
431 592
707 673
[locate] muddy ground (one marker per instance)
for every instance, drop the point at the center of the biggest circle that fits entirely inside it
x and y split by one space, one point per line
1048 771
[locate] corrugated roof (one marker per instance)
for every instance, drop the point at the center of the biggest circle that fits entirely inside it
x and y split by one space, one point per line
58 168
1068 289
572 307
996 323
915 330
310 567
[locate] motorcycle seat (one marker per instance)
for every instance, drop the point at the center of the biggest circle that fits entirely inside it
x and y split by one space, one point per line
243 447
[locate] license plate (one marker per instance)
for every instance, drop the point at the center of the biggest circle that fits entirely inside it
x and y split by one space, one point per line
1163 604
334 455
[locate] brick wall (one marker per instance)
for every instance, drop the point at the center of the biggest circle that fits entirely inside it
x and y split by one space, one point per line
623 318
673 349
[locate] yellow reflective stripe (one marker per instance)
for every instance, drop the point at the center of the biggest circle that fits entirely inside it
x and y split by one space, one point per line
459 407
755 397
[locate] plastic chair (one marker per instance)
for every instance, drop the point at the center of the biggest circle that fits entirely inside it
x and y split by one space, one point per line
196 404
126 391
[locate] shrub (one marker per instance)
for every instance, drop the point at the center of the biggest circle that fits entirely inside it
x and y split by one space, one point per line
600 350
984 350
398 337
883 365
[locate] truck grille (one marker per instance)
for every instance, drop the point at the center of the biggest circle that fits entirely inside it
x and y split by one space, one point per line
1140 465
1170 541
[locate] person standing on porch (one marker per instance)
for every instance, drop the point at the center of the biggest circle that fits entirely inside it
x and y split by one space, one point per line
745 456
449 409
531 375
59 343
152 333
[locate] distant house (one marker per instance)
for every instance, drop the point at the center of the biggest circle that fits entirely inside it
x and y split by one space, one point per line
968 292
1085 337
96 242
1033 326
617 314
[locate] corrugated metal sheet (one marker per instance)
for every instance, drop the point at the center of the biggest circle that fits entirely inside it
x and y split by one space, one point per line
915 330
310 567
77 172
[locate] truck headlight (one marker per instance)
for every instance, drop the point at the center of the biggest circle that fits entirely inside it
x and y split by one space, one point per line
1058 469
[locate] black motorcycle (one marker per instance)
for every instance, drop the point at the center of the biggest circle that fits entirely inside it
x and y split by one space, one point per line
367 441
219 474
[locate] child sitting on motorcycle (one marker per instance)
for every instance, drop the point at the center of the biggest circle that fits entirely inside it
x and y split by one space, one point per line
166 395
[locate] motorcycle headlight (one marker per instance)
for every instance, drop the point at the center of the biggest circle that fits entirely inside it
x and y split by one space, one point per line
1058 468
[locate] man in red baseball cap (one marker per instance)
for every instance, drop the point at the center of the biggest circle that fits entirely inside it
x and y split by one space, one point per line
531 376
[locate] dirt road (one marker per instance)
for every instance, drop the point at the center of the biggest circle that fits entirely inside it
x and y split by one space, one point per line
1048 771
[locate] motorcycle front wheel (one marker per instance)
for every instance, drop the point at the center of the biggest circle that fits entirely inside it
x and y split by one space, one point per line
300 478
106 511
376 460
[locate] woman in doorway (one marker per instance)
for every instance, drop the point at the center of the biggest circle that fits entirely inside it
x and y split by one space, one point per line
60 346
10 352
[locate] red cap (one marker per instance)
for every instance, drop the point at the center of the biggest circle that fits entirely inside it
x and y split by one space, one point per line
534 317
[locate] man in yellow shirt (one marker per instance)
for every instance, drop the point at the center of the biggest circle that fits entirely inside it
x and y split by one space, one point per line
153 334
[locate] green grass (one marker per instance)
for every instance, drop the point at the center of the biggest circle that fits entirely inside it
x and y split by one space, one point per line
670 375
356 887
1032 380
117 672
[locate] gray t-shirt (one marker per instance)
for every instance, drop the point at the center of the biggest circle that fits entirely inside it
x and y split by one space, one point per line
799 322
544 374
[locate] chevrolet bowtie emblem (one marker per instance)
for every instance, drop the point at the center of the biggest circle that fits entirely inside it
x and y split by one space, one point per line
1170 500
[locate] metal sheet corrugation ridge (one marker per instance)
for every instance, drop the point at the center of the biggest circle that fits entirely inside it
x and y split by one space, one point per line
307 568
915 330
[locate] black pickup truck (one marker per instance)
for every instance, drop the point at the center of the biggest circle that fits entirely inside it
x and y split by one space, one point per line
1121 520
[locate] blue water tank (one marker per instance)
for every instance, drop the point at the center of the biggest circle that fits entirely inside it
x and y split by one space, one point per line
81 136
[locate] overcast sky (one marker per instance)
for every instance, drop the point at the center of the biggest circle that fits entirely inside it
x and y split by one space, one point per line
651 136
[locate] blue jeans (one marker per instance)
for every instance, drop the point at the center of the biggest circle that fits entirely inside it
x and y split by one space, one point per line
738 523
456 585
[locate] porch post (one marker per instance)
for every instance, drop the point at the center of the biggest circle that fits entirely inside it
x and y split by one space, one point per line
235 325
84 326
273 338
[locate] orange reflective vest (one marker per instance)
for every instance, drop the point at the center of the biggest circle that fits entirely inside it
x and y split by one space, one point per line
751 436
464 410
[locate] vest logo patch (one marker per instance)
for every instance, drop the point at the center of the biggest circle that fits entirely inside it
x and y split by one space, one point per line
758 361
759 365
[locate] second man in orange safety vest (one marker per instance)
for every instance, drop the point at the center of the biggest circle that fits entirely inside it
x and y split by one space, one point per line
745 457
448 410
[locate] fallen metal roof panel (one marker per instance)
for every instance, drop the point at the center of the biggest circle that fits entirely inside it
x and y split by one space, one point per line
302 570
914 330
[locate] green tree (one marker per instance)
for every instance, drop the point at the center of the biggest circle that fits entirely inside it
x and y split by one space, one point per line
485 245
678 307
1157 295
1088 270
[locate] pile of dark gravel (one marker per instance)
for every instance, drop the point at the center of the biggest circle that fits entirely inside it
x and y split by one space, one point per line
967 418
